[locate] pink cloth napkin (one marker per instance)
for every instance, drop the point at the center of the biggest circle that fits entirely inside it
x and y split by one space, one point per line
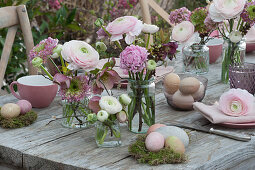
214 115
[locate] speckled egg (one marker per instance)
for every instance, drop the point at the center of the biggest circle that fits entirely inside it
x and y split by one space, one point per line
174 131
175 144
171 83
189 85
198 95
10 110
152 128
154 141
182 101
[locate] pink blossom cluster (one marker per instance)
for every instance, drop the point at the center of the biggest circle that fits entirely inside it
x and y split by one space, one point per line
127 4
245 14
179 15
55 3
133 58
44 49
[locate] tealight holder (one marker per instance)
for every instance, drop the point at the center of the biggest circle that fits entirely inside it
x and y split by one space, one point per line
243 77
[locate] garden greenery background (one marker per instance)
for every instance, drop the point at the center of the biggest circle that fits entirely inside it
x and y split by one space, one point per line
66 20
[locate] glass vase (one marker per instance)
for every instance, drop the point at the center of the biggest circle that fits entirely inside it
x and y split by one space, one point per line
233 54
75 114
196 59
141 110
108 134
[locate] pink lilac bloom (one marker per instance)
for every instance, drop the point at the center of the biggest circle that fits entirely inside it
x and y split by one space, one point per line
44 49
210 24
179 15
55 3
133 58
78 89
248 14
101 34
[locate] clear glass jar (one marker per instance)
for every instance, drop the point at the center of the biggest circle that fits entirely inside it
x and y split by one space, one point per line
196 59
108 134
141 110
75 114
233 54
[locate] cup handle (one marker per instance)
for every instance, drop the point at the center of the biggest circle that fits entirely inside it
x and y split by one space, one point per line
12 90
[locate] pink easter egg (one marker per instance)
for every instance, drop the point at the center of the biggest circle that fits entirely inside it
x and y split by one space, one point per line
25 106
154 141
152 128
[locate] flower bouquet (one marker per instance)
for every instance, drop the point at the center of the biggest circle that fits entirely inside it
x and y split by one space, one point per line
235 18
110 111
192 30
138 60
77 76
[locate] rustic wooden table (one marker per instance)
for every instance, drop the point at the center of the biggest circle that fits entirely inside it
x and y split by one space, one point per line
52 146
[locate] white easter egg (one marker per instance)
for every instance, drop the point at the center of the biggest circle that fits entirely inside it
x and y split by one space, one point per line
10 110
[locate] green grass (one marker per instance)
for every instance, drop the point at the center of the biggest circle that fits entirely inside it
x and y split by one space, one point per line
164 156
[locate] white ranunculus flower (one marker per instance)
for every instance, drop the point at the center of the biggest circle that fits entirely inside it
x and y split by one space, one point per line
183 32
148 28
102 115
235 36
125 99
80 54
110 104
220 10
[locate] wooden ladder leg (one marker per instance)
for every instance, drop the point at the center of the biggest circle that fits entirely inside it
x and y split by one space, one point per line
27 34
7 51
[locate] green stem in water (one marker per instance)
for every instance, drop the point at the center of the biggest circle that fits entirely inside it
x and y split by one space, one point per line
48 74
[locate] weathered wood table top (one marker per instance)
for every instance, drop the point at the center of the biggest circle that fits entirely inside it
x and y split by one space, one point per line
42 146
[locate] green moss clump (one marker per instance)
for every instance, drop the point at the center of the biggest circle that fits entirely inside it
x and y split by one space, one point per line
18 122
164 156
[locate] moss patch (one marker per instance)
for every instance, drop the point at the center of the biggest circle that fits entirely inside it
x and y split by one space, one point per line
18 122
164 156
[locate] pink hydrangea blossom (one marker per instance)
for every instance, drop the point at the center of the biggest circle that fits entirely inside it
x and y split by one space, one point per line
133 58
128 25
210 24
80 54
236 102
44 49
179 15
127 4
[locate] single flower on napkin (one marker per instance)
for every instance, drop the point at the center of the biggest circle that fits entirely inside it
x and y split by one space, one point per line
236 102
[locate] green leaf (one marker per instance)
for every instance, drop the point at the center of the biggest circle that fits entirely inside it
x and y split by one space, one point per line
44 26
94 71
71 16
74 27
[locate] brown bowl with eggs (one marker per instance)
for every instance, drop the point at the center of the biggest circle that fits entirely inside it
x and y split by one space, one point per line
183 89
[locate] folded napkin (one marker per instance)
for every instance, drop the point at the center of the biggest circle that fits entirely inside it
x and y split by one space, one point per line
214 115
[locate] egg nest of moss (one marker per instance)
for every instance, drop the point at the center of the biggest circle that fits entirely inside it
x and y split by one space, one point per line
163 156
18 122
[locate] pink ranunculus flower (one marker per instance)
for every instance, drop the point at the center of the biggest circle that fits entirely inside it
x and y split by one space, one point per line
220 10
236 102
128 25
133 58
183 32
80 54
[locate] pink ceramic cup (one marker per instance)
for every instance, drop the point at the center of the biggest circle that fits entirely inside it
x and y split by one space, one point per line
38 90
215 49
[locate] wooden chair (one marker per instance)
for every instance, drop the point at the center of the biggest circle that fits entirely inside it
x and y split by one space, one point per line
145 6
11 17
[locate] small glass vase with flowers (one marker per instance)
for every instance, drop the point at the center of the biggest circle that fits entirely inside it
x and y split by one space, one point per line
192 30
77 76
138 60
